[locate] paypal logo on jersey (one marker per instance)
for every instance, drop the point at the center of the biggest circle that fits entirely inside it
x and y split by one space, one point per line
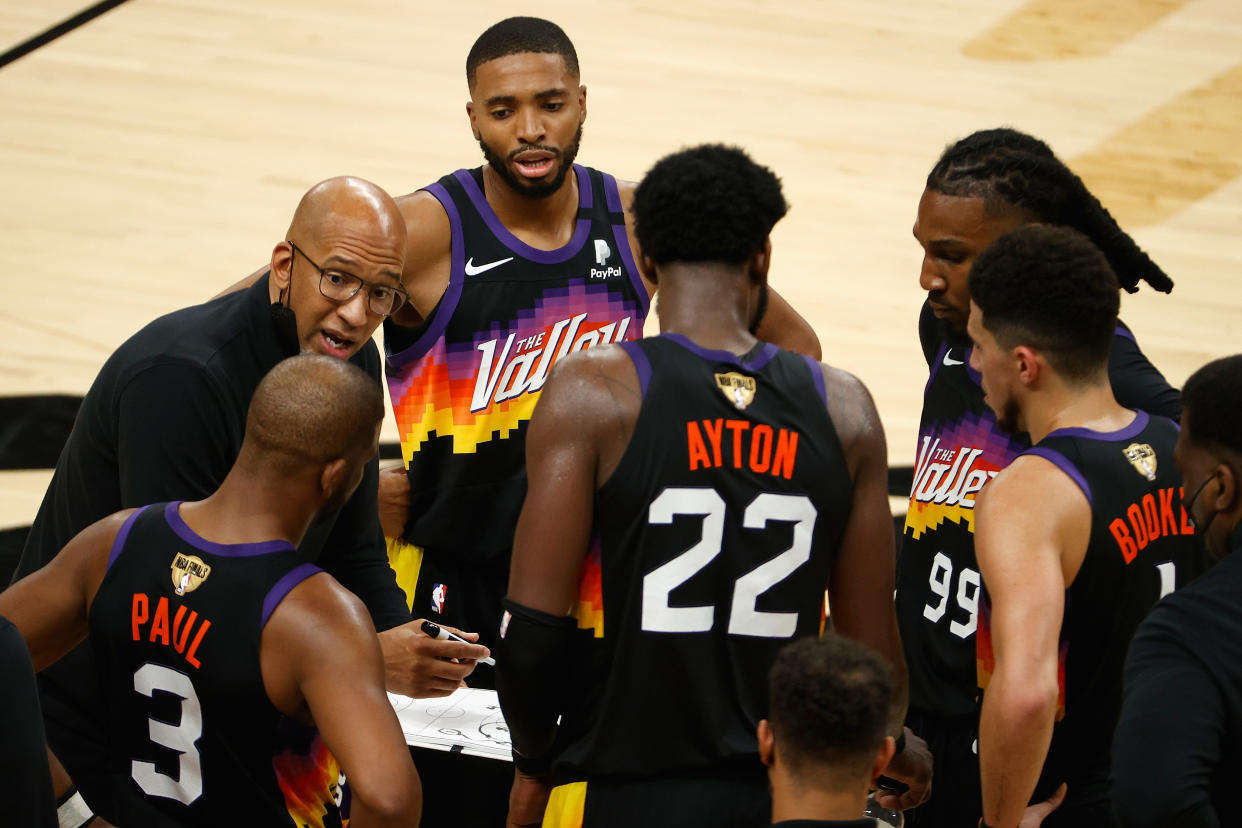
602 253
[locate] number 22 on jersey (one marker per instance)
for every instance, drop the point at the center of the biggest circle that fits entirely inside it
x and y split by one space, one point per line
744 617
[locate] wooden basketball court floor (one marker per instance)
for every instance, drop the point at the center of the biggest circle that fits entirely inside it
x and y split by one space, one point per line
154 155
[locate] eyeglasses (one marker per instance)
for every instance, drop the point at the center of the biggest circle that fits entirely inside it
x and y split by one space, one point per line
340 287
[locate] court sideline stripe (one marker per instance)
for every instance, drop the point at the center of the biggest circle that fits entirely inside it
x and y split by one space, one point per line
63 28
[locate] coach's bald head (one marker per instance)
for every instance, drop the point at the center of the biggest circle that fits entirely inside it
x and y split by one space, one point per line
348 229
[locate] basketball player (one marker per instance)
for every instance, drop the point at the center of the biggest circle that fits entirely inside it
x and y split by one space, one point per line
824 740
510 266
228 664
984 185
165 417
691 495
1175 753
1076 538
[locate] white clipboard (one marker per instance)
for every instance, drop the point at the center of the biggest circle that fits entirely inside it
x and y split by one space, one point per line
469 721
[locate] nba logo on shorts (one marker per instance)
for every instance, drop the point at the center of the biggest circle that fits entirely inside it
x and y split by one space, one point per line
437 597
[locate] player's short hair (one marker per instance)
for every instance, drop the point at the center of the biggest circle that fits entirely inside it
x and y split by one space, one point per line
312 409
1008 169
519 35
829 705
1212 399
1052 289
709 203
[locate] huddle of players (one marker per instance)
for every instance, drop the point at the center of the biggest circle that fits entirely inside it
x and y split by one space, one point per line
687 498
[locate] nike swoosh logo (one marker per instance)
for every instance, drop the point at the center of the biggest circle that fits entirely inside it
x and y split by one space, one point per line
473 270
948 360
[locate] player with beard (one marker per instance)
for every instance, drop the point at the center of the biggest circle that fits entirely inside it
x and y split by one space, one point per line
984 185
512 265
1076 539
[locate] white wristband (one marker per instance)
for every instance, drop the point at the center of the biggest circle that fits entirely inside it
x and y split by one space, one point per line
74 813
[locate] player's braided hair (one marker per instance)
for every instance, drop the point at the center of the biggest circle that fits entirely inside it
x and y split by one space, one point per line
1010 166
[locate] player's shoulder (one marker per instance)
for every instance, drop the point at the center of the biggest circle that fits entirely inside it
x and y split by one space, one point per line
1033 479
593 385
319 608
425 217
592 369
626 189
849 404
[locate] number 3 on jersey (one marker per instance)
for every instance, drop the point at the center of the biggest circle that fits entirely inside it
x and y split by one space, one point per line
941 582
179 737
744 618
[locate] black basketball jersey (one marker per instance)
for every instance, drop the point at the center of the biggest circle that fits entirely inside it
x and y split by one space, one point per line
713 542
174 634
464 384
960 449
1139 537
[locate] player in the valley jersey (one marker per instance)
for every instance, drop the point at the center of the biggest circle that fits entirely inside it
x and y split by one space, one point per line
238 680
1076 539
984 185
512 266
691 497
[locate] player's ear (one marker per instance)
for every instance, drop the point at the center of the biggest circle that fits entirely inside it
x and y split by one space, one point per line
333 478
648 269
1028 364
474 123
767 743
887 750
282 265
582 103
1227 501
760 261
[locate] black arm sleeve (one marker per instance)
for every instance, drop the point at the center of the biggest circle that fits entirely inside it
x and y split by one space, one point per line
1164 753
531 656
1136 382
355 554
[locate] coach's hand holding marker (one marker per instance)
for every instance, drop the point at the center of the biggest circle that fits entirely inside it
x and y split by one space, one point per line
436 631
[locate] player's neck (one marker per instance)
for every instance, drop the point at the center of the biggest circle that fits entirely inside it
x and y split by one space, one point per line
546 223
1091 407
706 307
246 510
789 801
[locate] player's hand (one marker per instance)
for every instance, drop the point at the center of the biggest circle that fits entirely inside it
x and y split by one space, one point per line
1035 815
913 767
422 667
394 501
528 799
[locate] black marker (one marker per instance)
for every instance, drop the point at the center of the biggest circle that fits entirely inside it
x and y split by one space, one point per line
438 632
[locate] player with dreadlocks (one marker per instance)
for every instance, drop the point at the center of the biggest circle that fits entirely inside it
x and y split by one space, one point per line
983 186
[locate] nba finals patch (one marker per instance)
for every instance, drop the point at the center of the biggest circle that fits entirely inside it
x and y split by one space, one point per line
188 573
738 389
437 597
1143 458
